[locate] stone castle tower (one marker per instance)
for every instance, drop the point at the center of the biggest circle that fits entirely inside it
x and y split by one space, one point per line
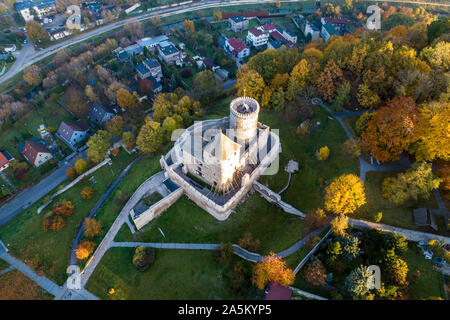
244 118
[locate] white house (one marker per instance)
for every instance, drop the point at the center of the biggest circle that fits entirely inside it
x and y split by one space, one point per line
237 48
41 7
257 37
36 153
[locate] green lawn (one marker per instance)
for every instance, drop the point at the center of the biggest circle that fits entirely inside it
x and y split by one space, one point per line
3 265
48 252
350 122
396 215
14 285
175 274
429 284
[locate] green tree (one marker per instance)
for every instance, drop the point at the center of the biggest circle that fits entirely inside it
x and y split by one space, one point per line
36 32
98 144
356 282
205 86
80 166
143 257
342 98
416 182
150 136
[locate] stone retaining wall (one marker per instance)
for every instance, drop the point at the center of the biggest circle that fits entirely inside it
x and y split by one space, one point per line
156 209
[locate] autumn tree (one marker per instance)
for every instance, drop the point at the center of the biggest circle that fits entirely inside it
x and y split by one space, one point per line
272 268
433 132
315 273
98 145
115 126
84 250
444 174
52 222
80 166
339 225
87 193
189 25
249 243
71 173
64 208
345 194
92 227
323 153
265 64
150 136
251 84
36 32
217 15
392 129
124 98
416 182
129 139
353 147
316 218
329 81
32 75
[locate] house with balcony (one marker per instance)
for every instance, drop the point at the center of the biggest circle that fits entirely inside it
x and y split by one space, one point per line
257 37
237 48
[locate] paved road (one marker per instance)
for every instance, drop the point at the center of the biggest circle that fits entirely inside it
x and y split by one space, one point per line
31 56
98 205
30 196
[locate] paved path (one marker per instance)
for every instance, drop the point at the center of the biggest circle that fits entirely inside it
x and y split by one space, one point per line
410 235
150 183
364 166
10 268
28 197
98 205
45 283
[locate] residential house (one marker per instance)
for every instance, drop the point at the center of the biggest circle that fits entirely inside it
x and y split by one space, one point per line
289 36
338 23
99 113
151 43
238 23
58 34
327 31
154 67
257 36
10 48
36 153
41 7
168 52
237 48
72 132
311 28
134 49
5 159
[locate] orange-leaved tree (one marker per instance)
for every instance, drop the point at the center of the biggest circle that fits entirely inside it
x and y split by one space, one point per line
392 129
272 268
84 250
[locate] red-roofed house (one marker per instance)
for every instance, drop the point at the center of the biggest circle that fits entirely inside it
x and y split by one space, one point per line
257 36
4 162
275 291
237 48
72 132
36 153
269 27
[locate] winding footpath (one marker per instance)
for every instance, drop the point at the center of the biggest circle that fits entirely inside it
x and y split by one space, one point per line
98 205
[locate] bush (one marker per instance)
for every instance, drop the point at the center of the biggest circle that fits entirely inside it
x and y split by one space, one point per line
323 153
52 222
353 147
316 218
21 174
143 257
339 225
312 241
224 253
80 166
87 193
378 216
315 273
248 243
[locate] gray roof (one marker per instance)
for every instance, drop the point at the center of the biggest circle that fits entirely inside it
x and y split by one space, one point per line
170 49
100 113
424 218
41 4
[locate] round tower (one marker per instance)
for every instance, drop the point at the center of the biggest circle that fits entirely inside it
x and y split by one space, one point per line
244 117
